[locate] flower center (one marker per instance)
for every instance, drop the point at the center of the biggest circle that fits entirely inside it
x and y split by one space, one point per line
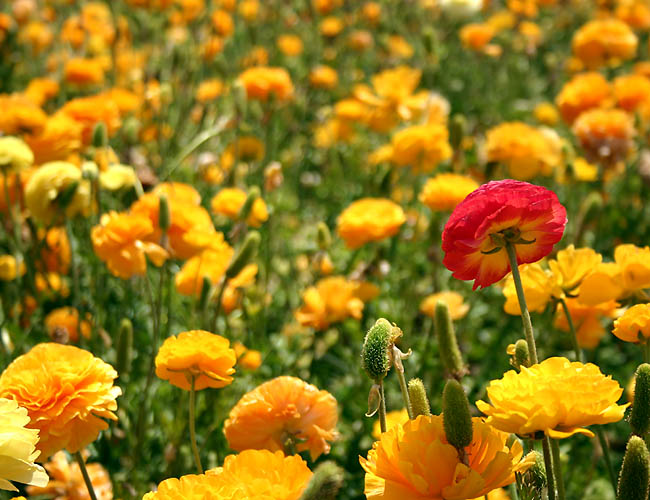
510 235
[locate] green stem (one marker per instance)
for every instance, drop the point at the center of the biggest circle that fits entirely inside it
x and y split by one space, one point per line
402 386
217 311
195 448
84 473
548 465
382 406
557 467
602 439
74 267
646 351
525 315
572 330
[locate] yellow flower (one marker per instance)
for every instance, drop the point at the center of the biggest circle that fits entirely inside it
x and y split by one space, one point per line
209 90
586 320
393 419
229 202
634 325
634 263
454 300
415 461
261 82
118 177
369 219
571 266
422 147
211 263
538 289
606 135
15 155
603 42
602 284
52 182
323 77
290 45
203 355
556 397
546 113
445 191
9 268
18 448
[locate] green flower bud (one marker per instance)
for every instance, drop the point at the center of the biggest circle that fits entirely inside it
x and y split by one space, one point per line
324 236
246 253
325 483
124 347
375 352
253 195
164 215
429 39
640 416
457 130
522 355
131 129
100 135
457 420
418 397
635 472
449 352
534 479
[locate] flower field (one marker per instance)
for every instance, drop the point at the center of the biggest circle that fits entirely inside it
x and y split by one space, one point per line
325 249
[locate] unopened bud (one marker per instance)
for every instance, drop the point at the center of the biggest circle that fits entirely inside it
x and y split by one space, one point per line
640 416
449 352
429 39
100 135
324 236
164 216
124 347
375 357
418 397
246 253
635 472
522 355
534 479
325 483
457 420
253 195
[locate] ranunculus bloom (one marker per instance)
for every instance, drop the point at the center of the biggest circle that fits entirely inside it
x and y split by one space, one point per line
583 92
556 397
571 266
476 36
634 325
18 448
422 147
229 202
586 320
211 264
415 461
454 300
603 42
15 155
203 355
631 90
445 191
283 408
529 216
55 255
334 299
323 77
67 392
120 240
10 269
63 325
606 135
369 219
88 111
250 474
67 482
262 82
393 419
46 186
58 139
538 284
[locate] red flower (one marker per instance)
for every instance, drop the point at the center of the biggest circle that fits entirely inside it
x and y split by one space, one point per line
499 212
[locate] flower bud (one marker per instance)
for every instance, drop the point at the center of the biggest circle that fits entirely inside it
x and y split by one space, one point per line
124 347
131 129
640 416
635 472
253 195
457 420
164 216
100 135
429 39
418 397
324 236
375 352
325 483
534 479
449 352
246 253
522 355
457 130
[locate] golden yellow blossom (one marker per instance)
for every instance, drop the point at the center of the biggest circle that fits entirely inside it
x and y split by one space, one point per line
445 191
454 300
369 219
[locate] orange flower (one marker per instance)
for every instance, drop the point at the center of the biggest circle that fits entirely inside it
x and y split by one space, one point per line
120 241
67 482
41 90
606 135
229 202
261 82
586 319
445 191
476 36
232 295
415 461
583 92
83 71
369 219
334 299
631 90
290 45
67 392
323 77
63 325
603 42
422 147
454 300
209 90
55 254
249 359
203 355
283 408
211 264
331 26
88 111
222 23
20 115
57 140
250 474
634 13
